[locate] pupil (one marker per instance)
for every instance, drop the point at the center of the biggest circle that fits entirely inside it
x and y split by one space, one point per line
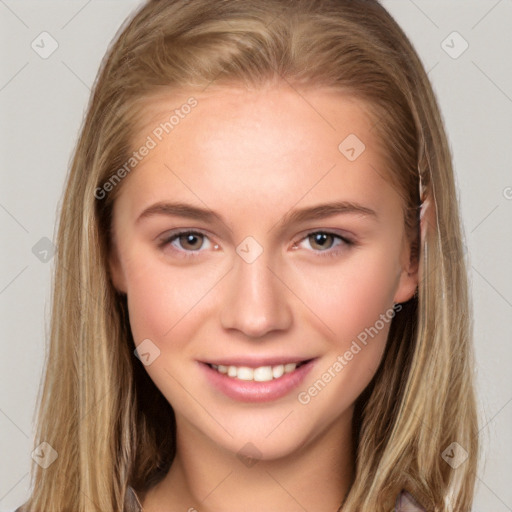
190 240
321 238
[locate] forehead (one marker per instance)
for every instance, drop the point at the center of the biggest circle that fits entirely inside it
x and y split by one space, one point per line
323 108
279 142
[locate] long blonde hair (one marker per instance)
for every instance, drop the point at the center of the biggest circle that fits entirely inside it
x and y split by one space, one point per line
98 407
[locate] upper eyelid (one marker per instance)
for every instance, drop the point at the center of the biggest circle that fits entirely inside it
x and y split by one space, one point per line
167 238
344 239
176 234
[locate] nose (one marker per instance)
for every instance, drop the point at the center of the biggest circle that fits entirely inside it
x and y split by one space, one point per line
256 300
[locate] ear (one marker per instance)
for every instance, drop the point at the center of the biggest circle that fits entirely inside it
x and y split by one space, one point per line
116 270
409 277
408 281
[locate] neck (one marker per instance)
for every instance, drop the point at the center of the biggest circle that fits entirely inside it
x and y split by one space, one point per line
207 478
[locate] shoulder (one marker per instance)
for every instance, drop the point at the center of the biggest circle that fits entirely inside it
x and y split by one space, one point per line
131 504
406 503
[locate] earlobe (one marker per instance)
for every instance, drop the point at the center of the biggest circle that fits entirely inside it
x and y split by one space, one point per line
407 286
409 278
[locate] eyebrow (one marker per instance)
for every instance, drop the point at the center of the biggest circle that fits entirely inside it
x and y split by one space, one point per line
294 216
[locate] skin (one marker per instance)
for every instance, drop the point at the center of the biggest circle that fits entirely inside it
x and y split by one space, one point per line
252 157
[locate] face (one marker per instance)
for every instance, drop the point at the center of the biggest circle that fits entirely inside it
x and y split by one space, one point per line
261 252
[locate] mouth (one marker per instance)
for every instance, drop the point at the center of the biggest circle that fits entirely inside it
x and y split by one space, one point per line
259 374
256 381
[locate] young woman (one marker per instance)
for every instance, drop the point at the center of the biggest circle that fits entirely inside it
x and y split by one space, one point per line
260 296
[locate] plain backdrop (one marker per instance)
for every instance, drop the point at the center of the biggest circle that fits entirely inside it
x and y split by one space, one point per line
465 46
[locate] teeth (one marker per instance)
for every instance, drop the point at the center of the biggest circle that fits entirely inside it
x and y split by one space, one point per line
261 374
244 373
289 367
278 371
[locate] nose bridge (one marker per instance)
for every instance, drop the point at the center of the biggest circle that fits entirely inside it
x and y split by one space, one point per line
256 301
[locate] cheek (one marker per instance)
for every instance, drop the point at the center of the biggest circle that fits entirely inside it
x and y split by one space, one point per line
163 299
351 297
357 308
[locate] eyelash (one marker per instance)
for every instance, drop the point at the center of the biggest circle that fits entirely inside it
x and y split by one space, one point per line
327 253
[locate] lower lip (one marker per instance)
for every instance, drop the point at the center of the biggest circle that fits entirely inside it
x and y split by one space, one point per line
252 391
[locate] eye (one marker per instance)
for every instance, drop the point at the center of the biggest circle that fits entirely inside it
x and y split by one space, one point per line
187 242
326 243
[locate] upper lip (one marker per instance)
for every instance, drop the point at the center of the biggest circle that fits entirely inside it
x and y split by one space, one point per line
256 362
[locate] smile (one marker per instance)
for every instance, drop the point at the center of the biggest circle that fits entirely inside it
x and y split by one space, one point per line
261 374
263 382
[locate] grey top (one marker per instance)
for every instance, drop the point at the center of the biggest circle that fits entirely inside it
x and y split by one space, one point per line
131 502
404 503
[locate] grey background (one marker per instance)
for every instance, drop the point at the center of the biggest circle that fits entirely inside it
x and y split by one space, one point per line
42 103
